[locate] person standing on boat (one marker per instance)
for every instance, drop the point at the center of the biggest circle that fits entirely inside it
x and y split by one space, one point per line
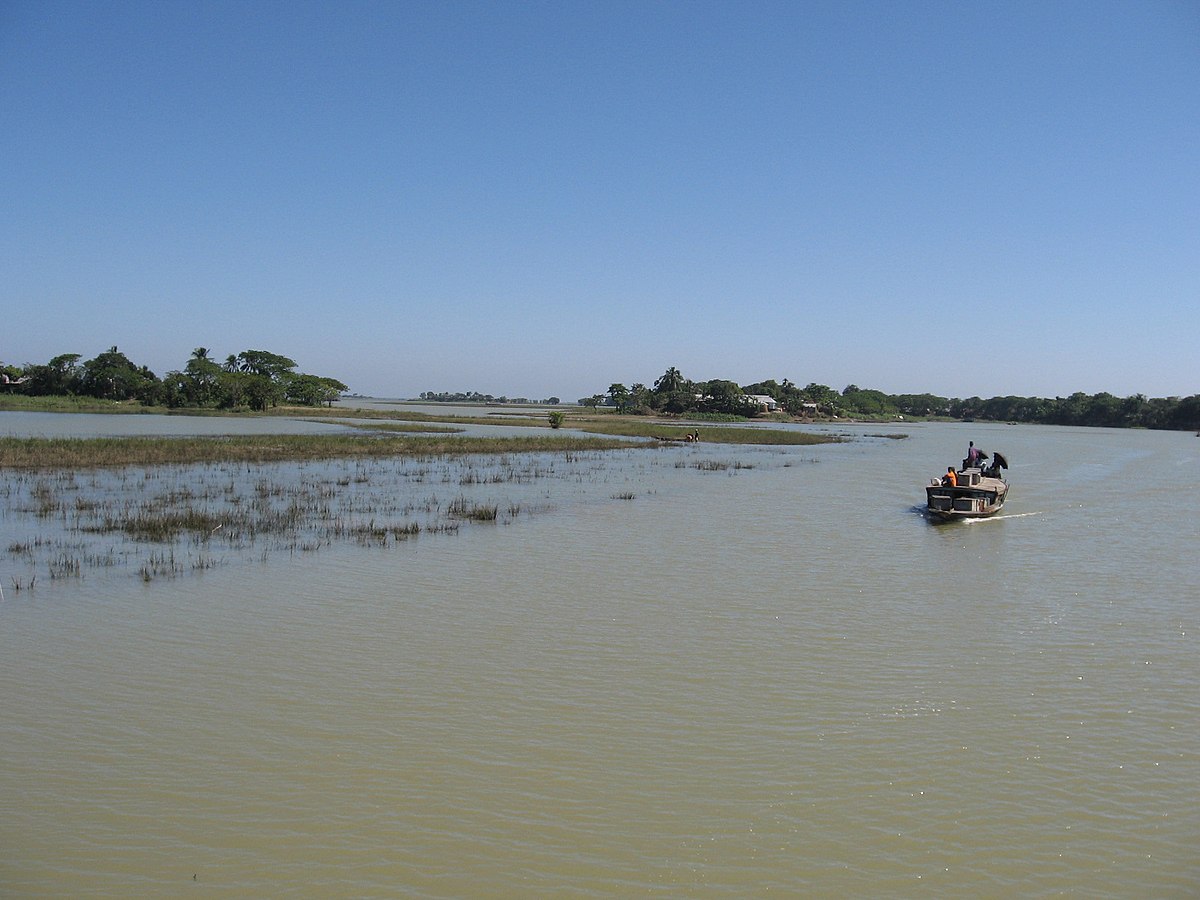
950 479
973 456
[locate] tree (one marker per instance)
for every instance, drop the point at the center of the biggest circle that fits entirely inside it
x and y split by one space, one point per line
867 402
821 394
639 398
264 378
112 376
311 390
673 393
203 378
59 377
231 392
721 396
262 362
1132 408
618 395
770 388
921 404
1186 413
176 390
670 382
1105 410
258 391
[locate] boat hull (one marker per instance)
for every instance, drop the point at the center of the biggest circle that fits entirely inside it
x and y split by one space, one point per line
977 499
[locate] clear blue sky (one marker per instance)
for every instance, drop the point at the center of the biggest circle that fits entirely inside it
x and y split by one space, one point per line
542 198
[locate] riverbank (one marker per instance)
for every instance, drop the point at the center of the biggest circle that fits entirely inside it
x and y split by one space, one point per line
384 432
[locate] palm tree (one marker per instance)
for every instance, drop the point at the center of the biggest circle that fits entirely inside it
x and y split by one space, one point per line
670 382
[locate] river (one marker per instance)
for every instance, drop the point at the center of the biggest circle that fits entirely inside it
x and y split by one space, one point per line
701 671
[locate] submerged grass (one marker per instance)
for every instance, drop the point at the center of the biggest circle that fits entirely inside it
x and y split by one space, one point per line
477 512
165 506
172 519
85 453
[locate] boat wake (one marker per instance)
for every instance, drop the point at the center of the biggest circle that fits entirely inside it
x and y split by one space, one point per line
998 518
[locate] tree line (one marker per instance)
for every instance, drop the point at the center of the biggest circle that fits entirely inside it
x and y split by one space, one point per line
674 394
476 397
254 379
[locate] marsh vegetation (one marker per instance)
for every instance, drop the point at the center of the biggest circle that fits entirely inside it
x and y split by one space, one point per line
82 453
160 507
166 520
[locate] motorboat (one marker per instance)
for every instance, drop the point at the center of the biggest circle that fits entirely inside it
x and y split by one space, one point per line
977 492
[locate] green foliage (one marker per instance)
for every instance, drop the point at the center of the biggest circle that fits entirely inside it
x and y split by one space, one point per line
253 378
725 397
868 403
310 390
673 394
556 418
113 376
618 396
476 397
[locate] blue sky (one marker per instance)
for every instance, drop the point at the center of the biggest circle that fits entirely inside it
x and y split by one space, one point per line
542 198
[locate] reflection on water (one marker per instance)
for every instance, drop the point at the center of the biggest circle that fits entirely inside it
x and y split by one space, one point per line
688 670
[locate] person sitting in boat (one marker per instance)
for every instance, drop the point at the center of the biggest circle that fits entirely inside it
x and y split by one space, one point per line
950 479
998 463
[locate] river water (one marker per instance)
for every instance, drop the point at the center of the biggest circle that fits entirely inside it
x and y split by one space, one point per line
696 671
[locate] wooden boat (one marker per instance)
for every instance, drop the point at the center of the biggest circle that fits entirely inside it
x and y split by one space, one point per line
980 492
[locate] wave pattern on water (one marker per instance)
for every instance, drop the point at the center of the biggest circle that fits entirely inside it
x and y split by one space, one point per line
765 678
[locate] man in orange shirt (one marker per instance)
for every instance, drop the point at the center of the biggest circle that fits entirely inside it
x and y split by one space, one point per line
950 479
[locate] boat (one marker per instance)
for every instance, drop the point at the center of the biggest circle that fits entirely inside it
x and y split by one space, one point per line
979 493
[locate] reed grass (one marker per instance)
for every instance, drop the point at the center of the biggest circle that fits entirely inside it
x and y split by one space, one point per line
86 453
22 403
163 506
476 512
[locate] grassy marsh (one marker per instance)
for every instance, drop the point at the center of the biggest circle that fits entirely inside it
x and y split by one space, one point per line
84 453
164 507
164 520
405 421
